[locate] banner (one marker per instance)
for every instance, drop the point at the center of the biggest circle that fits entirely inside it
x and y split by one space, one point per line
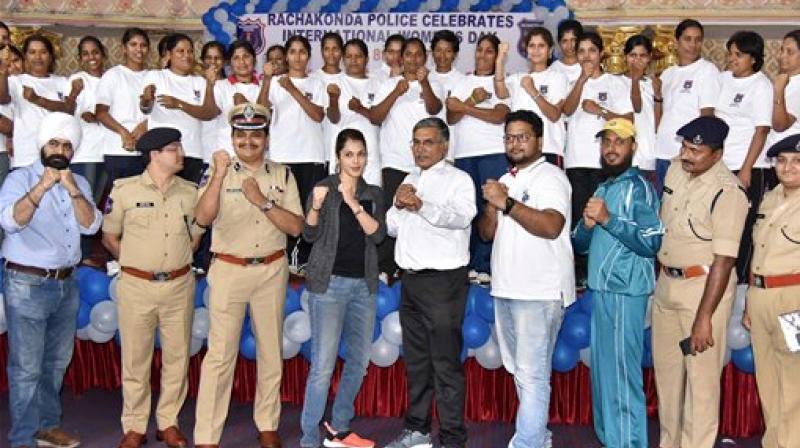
265 30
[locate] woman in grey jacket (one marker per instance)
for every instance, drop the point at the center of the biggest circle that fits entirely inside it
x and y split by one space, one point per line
344 221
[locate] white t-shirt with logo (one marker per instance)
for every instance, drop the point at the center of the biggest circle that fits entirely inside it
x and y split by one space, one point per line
119 89
93 135
449 82
583 148
572 72
7 111
477 137
792 100
365 90
190 89
217 131
550 274
645 122
743 104
397 129
27 115
329 130
686 89
294 136
553 85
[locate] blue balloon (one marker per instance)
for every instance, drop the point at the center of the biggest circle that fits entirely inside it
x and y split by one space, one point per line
647 359
648 339
157 340
476 331
305 350
215 28
585 302
207 18
572 308
93 287
238 7
296 5
84 311
472 299
484 305
743 359
342 349
386 302
199 289
448 6
247 326
247 346
576 330
117 338
565 357
226 6
292 303
223 38
523 6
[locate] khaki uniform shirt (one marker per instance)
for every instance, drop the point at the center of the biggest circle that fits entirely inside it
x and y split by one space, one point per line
776 234
241 229
694 233
156 228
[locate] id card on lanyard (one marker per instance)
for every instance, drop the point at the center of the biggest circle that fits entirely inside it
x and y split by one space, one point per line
790 326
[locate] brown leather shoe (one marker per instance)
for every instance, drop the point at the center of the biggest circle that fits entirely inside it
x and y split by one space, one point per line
132 440
172 437
269 439
206 446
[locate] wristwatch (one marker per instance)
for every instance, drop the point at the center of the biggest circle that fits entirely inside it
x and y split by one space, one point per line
510 203
267 206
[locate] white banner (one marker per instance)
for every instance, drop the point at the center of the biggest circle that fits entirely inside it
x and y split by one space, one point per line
264 30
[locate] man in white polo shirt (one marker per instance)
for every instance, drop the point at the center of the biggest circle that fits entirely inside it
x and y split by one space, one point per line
528 214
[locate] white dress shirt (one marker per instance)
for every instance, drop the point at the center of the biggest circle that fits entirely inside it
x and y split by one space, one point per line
437 235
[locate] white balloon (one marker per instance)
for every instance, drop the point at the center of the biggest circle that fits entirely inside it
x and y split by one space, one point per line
250 8
201 323
470 353
586 357
297 327
727 358
112 288
229 27
98 336
304 300
103 316
738 336
195 345
391 330
290 349
383 353
220 15
206 293
83 333
488 355
494 333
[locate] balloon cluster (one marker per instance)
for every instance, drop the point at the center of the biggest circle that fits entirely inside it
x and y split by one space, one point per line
97 312
221 20
739 349
480 334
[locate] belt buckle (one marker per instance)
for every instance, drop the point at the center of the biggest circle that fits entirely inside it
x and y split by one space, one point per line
758 281
255 260
675 272
161 276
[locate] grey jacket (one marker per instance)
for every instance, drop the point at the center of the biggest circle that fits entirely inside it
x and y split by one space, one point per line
325 235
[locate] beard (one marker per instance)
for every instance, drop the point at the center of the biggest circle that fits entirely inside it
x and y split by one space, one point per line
610 171
57 161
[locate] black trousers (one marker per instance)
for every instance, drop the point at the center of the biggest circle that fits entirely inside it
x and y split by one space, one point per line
584 183
431 314
392 179
306 175
761 181
192 169
118 167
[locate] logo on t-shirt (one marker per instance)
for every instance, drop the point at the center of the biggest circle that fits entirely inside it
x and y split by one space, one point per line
61 96
524 197
543 89
737 100
308 95
687 86
370 97
602 96
197 95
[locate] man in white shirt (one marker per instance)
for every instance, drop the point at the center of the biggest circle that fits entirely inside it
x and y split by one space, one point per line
431 217
527 214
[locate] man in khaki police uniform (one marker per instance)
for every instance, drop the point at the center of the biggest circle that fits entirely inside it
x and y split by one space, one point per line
703 211
148 228
253 204
773 300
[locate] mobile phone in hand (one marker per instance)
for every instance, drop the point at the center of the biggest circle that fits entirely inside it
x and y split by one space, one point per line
686 346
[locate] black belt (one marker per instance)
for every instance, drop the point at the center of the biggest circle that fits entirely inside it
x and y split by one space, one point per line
430 271
57 274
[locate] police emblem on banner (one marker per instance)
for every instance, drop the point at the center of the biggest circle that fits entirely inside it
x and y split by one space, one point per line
525 26
602 96
252 30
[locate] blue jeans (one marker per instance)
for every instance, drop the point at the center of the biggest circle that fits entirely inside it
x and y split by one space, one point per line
346 310
41 317
480 169
526 333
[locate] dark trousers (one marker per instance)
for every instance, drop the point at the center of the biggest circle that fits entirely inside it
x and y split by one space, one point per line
761 181
431 315
95 174
481 169
391 179
306 175
662 165
584 182
118 167
192 169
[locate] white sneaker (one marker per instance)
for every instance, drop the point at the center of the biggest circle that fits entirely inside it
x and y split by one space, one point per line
472 275
411 439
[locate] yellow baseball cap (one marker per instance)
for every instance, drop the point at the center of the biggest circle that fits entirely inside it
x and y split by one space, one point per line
623 127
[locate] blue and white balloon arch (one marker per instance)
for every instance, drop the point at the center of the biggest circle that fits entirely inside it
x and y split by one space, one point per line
221 20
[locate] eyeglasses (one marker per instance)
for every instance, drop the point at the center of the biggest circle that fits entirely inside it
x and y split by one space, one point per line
427 143
514 138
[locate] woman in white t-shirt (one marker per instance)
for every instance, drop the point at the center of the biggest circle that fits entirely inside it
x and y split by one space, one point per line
33 95
568 32
330 74
212 55
541 90
174 97
476 111
645 92
117 107
745 104
349 103
786 102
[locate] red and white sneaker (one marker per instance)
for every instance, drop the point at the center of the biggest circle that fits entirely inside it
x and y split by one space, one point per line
345 439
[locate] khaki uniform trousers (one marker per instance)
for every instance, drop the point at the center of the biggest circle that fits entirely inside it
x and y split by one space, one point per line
688 386
232 289
777 369
143 306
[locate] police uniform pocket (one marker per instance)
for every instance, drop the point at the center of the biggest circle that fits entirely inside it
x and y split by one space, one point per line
791 233
140 217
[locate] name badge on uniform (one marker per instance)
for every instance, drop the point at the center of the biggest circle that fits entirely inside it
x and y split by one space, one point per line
790 326
233 190
145 204
667 190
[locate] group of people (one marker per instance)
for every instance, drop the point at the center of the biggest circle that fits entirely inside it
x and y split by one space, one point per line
643 184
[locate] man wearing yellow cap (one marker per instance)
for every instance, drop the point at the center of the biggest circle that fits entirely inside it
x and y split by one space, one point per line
253 204
621 232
